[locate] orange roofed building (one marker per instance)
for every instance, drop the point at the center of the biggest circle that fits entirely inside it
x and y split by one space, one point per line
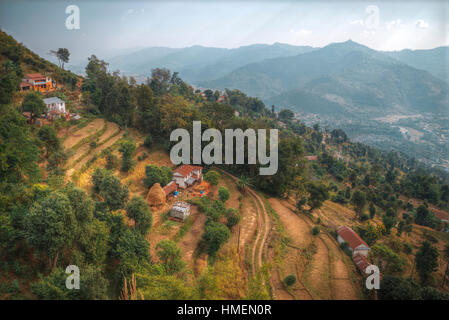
37 82
186 175
356 244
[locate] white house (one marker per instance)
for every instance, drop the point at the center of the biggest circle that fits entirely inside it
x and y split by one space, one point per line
55 104
186 175
180 210
356 244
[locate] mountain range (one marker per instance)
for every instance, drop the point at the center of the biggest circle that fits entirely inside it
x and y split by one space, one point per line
343 79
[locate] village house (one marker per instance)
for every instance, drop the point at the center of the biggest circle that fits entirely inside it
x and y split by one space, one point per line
355 243
180 210
361 262
55 106
37 82
186 175
170 188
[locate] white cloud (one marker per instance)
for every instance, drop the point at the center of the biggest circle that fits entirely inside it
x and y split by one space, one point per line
359 22
394 24
301 32
421 24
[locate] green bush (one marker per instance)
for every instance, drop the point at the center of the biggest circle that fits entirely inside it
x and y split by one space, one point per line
290 280
316 230
148 142
223 194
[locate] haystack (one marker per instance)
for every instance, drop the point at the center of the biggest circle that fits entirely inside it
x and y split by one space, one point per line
156 196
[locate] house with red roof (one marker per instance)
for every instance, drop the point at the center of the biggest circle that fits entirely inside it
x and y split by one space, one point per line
170 188
37 82
361 262
186 175
355 243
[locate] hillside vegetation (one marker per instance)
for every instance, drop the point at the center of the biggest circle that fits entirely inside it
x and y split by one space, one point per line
74 193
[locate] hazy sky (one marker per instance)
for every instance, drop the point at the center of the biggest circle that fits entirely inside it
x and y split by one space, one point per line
109 28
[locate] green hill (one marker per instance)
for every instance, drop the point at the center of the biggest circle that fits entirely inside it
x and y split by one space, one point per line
356 77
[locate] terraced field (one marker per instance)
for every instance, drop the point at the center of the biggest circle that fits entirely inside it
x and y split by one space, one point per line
322 269
78 142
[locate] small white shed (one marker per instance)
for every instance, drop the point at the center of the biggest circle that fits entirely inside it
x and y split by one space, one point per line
180 210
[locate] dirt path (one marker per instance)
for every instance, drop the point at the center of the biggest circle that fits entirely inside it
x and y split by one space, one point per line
343 287
189 242
263 228
297 229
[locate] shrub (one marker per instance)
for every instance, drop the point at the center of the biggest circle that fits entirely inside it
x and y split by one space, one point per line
213 177
232 217
408 248
148 142
223 194
316 230
290 280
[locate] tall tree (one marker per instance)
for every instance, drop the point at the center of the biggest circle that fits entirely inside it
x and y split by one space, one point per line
426 260
63 56
50 226
138 210
33 103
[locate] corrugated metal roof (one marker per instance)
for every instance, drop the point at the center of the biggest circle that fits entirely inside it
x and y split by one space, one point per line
53 100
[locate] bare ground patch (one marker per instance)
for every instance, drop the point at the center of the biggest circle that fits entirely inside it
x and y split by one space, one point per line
88 130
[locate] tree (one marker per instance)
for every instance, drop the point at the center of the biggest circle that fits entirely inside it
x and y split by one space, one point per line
389 222
425 217
318 194
426 260
387 260
10 78
372 210
110 189
93 286
215 235
63 55
213 177
133 252
232 217
243 183
138 210
290 280
286 115
50 226
127 148
155 174
50 139
148 141
223 194
394 288
18 151
359 201
33 103
170 256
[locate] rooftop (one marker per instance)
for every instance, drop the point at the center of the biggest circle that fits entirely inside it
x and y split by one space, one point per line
34 76
352 238
186 169
53 100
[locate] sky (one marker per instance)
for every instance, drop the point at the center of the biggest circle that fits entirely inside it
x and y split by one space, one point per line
109 28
